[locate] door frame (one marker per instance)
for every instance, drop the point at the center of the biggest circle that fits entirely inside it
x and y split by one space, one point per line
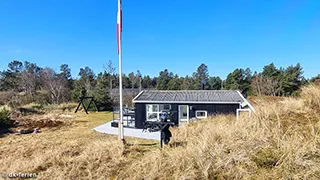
188 113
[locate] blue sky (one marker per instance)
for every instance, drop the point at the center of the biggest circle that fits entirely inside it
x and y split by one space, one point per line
175 34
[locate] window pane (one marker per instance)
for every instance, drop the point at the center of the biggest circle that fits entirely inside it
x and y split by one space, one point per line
152 116
152 108
155 108
149 108
165 107
201 114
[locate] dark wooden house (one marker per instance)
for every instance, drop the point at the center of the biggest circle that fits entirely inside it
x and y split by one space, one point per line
186 105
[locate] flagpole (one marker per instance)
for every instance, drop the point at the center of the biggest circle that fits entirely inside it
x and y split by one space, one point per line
119 42
121 133
119 38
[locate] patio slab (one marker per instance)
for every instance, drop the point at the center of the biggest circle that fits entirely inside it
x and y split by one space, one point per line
128 132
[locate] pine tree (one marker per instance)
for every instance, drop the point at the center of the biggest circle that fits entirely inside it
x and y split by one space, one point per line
163 80
174 83
239 79
187 83
102 97
201 76
215 83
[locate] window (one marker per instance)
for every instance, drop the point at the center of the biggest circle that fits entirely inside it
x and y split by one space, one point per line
201 114
165 107
154 111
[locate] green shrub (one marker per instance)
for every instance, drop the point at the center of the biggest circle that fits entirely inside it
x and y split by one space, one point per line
4 117
42 97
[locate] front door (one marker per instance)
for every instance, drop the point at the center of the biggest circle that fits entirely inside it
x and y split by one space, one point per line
183 113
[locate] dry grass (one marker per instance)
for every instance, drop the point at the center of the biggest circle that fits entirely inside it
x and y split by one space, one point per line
281 141
72 152
311 96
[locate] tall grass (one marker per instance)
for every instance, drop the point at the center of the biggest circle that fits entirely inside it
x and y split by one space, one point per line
310 95
280 141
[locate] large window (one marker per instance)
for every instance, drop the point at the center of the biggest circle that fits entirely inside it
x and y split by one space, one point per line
154 111
201 114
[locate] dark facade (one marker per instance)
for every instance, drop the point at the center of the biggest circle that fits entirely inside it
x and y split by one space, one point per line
185 105
211 109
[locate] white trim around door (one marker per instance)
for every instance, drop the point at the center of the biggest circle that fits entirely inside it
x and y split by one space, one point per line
184 113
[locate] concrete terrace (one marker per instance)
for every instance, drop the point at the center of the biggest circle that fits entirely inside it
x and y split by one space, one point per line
128 132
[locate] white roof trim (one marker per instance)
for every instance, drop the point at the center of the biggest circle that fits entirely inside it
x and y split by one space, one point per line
186 102
246 102
134 99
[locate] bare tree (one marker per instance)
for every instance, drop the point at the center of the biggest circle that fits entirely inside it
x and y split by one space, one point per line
56 85
28 83
256 85
262 85
139 76
110 69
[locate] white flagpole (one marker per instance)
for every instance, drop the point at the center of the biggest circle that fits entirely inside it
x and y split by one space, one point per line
119 24
121 133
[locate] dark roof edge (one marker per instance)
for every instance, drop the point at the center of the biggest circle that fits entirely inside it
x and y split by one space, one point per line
187 102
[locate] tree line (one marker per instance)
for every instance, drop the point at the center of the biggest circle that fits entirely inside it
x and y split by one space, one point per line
45 85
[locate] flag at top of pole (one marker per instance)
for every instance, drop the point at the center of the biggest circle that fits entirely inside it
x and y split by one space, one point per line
119 26
119 31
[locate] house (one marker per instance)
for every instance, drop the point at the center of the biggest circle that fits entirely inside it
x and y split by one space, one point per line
187 104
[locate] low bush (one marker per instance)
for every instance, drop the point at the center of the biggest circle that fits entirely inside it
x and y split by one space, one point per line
4 118
42 97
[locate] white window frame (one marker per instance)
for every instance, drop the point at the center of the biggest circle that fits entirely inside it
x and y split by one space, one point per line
202 117
243 110
153 112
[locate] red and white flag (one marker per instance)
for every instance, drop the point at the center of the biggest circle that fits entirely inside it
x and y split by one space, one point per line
119 25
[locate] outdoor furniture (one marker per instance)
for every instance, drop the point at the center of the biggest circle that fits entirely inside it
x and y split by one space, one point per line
128 117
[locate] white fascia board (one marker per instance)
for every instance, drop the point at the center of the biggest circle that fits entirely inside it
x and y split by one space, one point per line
246 102
134 99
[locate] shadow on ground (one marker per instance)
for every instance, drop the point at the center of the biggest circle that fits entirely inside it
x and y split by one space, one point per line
143 145
5 130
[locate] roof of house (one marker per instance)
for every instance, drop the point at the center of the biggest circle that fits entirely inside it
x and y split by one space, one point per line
189 96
